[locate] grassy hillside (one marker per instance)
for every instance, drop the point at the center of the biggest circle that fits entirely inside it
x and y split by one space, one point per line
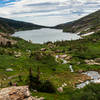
23 55
84 25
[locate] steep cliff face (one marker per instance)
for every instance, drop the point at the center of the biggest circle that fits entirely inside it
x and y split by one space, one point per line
10 26
87 24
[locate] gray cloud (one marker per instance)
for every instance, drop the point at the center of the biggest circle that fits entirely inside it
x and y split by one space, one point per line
49 12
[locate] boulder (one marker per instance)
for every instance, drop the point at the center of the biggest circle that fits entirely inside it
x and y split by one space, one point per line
60 89
58 51
78 63
9 70
63 56
64 85
43 49
17 55
93 62
17 93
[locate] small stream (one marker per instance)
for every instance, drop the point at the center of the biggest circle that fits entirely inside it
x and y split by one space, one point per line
95 78
71 68
65 62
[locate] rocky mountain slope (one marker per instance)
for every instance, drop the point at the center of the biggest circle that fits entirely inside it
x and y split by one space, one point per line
10 26
86 24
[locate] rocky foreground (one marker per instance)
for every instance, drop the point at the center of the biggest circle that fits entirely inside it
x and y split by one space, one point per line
17 93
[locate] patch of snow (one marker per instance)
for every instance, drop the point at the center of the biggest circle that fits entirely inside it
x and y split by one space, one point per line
87 34
78 33
87 29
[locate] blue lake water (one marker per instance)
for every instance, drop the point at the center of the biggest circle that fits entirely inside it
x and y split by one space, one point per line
45 35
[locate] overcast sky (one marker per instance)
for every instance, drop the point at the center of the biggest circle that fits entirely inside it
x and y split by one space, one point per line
47 12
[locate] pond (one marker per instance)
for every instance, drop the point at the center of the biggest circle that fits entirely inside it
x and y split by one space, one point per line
45 34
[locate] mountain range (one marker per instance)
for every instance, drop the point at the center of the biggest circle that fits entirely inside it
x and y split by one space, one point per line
83 25
10 26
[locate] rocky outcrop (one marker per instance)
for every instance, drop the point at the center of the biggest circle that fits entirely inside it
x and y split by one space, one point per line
93 62
17 93
5 41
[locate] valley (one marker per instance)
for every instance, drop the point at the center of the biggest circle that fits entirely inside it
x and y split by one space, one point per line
52 69
18 58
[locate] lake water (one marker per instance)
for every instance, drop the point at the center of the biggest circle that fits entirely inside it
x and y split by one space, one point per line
45 35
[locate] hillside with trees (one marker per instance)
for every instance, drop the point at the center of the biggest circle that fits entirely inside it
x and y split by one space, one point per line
86 24
10 26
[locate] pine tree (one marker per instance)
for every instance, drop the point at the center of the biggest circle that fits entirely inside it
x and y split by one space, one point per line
38 73
30 78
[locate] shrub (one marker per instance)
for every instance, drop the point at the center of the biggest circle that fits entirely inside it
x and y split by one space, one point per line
35 83
90 92
48 87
